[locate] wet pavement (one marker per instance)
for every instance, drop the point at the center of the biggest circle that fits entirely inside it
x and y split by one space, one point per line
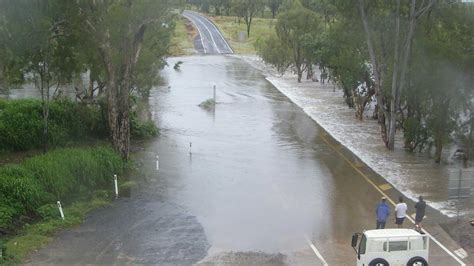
209 39
261 184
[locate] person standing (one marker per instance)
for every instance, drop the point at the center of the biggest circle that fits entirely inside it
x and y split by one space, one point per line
400 212
382 212
420 207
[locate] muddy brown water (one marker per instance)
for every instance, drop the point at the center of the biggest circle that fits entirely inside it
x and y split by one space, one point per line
258 181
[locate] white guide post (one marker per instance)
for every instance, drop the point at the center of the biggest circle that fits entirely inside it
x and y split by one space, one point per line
60 209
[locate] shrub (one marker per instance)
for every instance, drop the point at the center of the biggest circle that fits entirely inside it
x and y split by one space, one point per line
21 123
142 129
33 187
48 211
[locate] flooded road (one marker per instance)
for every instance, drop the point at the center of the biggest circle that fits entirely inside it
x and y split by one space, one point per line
252 181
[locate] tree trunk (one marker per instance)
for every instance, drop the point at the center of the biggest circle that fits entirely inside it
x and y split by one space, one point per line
248 22
395 88
438 145
309 72
378 81
44 88
119 84
90 90
383 127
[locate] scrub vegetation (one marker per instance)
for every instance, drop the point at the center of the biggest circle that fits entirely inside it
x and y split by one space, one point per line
120 45
235 32
183 36
208 104
29 190
21 124
111 53
406 64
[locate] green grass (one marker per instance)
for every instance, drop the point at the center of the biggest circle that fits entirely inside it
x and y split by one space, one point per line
229 26
33 236
182 41
81 178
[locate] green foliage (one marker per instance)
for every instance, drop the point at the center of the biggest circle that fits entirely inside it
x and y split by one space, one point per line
48 211
273 52
295 28
436 95
143 130
32 187
208 104
35 235
140 128
21 125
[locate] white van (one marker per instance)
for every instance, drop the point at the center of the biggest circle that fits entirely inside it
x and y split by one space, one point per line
391 247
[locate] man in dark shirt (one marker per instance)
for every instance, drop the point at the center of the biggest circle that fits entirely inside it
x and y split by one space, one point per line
420 207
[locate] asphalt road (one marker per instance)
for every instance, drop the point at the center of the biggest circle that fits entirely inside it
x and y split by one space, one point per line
210 39
260 184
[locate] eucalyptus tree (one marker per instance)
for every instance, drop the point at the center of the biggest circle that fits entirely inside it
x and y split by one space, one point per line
438 96
274 6
247 10
38 44
131 37
296 29
389 49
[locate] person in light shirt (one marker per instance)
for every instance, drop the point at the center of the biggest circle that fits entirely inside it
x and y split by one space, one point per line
400 212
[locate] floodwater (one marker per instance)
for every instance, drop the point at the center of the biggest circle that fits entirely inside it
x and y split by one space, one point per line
413 174
252 181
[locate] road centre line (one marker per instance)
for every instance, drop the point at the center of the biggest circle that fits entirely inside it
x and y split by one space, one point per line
212 38
316 251
390 200
200 33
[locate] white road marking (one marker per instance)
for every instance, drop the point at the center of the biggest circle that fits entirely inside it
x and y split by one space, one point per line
316 251
461 253
220 34
200 34
212 38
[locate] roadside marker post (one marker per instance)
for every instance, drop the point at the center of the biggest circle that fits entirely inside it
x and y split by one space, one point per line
190 148
214 95
60 209
116 186
157 162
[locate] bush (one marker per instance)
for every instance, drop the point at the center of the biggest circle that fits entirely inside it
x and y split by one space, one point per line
142 130
21 123
48 211
33 187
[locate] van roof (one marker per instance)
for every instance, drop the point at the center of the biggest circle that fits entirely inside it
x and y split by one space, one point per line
398 232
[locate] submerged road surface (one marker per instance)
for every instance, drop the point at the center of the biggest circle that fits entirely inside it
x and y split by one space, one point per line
253 181
210 39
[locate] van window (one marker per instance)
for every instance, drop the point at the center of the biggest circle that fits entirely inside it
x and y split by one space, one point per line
377 245
398 245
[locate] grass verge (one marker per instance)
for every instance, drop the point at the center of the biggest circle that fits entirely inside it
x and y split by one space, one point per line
232 29
182 41
29 191
33 236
